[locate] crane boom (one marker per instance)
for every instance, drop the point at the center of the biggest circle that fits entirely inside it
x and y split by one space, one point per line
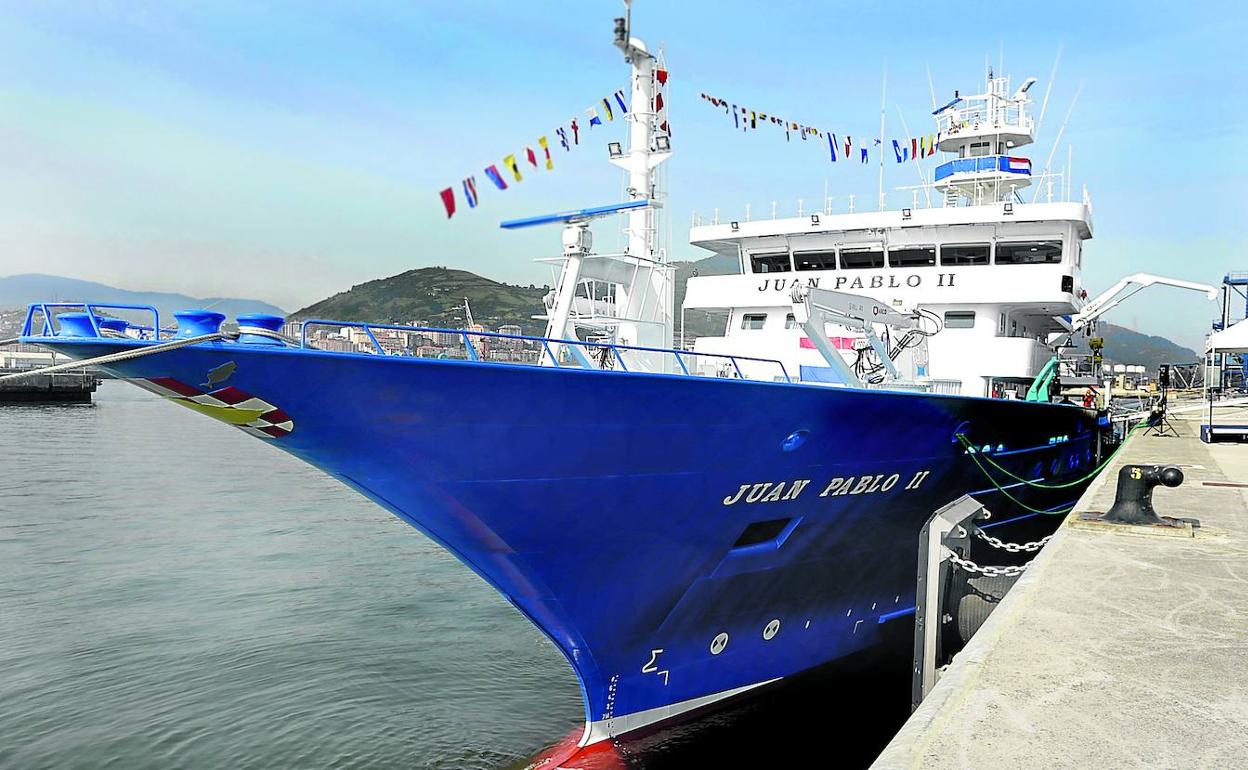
1108 300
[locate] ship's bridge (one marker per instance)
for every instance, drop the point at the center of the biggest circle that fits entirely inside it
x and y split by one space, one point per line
985 132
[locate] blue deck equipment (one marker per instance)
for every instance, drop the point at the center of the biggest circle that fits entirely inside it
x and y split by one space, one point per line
574 215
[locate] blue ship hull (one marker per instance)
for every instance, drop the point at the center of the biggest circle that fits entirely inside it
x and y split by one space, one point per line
680 539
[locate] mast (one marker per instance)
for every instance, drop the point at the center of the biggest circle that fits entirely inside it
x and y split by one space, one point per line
644 151
635 308
883 101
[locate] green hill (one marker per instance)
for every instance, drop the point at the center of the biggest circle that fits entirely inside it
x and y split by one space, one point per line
434 296
1123 346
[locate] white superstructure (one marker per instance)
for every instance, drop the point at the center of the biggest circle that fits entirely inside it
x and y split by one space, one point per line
997 274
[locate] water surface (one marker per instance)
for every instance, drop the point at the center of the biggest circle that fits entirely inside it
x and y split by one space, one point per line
175 593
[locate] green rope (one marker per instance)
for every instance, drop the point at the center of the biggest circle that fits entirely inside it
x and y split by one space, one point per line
1012 498
1040 485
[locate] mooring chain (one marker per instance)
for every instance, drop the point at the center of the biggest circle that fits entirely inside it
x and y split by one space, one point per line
1031 547
969 566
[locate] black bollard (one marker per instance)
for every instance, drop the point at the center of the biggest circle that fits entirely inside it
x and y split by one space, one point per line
1133 503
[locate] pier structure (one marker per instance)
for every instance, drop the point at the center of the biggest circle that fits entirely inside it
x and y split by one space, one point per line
75 387
1120 646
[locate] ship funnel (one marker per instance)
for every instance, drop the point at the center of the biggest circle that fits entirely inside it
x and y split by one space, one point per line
196 323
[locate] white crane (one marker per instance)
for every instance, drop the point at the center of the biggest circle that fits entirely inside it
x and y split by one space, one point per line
1133 284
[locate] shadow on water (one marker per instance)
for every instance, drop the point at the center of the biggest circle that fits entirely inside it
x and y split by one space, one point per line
839 716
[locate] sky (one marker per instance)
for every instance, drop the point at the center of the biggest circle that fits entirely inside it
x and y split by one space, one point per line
286 151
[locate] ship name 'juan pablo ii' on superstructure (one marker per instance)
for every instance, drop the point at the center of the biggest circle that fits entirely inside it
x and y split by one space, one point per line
687 525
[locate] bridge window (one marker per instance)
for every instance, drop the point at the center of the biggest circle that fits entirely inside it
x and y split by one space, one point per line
770 263
1029 253
912 256
860 259
959 319
815 260
962 254
753 321
790 322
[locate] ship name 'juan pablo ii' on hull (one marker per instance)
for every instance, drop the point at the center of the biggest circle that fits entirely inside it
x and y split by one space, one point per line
687 525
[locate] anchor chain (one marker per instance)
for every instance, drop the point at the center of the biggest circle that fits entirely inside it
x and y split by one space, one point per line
969 566
1031 547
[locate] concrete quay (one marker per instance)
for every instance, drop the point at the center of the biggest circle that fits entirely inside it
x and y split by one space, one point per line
1116 648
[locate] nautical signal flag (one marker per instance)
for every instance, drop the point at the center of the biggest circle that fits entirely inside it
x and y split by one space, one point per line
495 177
541 142
747 119
509 162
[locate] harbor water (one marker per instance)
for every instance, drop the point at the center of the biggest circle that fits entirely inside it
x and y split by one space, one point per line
174 593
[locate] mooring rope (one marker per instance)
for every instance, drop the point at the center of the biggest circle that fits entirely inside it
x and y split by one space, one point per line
1060 511
975 455
1040 485
123 355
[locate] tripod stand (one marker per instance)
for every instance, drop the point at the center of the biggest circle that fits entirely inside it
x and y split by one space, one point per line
1158 421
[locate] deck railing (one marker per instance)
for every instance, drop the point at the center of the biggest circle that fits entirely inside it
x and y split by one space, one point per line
42 315
433 342
464 344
